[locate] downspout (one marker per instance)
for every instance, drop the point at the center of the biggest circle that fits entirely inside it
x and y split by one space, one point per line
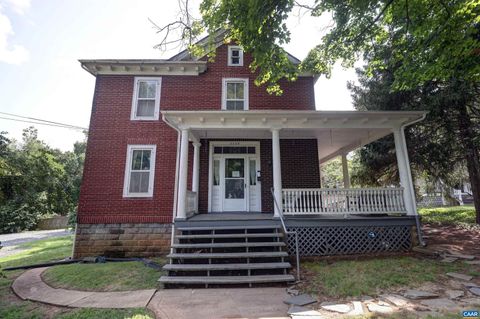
417 217
175 190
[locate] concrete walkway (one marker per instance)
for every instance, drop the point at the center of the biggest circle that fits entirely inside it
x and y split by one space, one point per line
246 303
29 286
166 304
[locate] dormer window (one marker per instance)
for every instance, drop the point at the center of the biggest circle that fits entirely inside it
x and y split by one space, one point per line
146 98
235 94
235 56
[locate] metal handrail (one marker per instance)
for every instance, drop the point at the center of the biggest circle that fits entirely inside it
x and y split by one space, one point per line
287 232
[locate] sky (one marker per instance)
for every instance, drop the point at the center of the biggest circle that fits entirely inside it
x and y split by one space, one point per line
41 42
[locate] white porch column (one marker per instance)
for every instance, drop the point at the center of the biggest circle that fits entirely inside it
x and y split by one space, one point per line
182 176
196 167
404 171
277 172
346 175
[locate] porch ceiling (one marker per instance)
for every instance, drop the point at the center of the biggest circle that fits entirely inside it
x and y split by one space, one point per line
337 132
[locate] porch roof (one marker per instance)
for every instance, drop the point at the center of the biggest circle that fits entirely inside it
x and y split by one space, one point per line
337 132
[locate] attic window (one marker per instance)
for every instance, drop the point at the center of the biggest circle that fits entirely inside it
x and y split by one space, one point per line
235 56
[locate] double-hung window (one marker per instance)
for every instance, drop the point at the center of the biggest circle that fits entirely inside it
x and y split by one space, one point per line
235 56
139 171
146 98
235 94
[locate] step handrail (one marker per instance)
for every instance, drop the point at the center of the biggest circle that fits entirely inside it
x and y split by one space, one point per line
288 232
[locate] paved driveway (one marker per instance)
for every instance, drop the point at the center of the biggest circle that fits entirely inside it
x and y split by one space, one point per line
10 242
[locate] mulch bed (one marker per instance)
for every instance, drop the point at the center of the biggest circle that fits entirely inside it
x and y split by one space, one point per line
455 238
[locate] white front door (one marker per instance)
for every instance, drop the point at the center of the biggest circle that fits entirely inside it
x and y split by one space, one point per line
234 184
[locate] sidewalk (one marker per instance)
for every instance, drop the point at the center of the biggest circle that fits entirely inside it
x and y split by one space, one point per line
166 304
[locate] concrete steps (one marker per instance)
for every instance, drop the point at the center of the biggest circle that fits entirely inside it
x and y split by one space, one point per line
227 255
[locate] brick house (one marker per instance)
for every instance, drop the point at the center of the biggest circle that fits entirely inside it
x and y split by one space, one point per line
186 154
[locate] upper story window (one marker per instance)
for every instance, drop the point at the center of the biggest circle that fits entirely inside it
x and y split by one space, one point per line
235 56
139 171
235 94
146 98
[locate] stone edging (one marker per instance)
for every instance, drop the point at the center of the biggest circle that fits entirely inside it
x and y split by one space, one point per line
30 286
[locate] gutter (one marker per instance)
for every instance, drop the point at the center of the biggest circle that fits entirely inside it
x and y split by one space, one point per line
417 217
175 190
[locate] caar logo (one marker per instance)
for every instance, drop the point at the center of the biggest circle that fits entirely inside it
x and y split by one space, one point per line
470 314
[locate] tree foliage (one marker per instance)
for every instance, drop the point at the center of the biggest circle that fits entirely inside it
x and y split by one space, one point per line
430 39
36 180
436 147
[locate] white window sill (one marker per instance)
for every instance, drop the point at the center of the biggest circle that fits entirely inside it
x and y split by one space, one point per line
137 195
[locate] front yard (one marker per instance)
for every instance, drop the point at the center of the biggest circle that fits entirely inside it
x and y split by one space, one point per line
100 277
111 276
372 276
328 279
456 215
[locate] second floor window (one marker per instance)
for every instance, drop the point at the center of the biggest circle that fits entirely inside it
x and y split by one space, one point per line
146 98
235 94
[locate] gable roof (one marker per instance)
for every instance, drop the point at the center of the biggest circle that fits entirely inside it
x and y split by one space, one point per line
182 63
219 36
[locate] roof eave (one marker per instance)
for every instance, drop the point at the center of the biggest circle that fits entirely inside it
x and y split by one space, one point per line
143 67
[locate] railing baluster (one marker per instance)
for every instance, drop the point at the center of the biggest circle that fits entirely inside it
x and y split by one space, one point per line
312 201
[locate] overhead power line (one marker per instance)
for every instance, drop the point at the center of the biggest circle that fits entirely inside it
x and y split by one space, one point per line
33 120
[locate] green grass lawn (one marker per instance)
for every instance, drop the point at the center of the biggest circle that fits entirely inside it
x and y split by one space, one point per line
111 276
137 313
40 251
456 215
52 249
354 278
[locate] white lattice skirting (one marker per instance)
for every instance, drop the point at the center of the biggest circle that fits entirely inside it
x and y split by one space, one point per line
348 240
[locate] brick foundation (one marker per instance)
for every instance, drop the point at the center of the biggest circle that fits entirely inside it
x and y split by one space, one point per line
122 240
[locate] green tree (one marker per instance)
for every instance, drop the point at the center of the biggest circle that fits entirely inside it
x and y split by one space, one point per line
36 180
430 40
332 173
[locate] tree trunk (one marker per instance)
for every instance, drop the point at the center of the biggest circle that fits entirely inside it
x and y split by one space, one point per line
471 156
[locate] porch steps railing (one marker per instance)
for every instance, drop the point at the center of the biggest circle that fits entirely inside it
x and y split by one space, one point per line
311 201
225 255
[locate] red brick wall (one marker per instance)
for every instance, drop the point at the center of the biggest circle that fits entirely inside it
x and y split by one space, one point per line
111 130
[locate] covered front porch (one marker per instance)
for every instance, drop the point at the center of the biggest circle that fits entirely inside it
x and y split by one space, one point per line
251 162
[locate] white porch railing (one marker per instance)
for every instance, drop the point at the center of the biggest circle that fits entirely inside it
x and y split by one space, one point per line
192 203
343 201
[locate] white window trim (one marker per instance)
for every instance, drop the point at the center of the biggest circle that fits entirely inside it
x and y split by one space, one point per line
240 60
224 91
156 113
128 165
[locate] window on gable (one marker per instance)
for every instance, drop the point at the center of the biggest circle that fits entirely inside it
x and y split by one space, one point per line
139 171
235 94
146 99
235 56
